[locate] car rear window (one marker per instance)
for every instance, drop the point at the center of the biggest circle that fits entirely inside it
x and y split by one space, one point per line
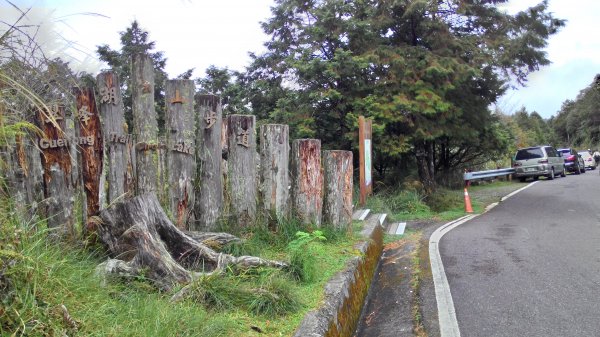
532 153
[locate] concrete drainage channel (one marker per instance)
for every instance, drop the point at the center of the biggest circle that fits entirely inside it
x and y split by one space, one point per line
346 292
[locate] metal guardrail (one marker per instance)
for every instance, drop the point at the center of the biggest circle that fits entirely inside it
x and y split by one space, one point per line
468 176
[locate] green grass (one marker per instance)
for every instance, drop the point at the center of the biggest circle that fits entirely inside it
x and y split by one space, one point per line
37 278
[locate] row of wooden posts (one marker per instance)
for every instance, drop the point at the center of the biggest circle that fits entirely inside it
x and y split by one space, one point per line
207 169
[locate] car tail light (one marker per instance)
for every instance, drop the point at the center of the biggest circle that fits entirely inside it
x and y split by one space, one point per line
543 161
571 158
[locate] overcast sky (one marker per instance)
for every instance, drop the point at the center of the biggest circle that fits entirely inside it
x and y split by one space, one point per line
199 33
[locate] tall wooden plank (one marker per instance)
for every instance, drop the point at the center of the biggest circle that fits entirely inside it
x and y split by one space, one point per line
181 165
118 142
209 178
145 125
57 166
241 162
307 180
274 170
365 158
90 145
337 201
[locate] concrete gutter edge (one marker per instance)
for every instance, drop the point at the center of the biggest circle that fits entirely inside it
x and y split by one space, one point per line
346 291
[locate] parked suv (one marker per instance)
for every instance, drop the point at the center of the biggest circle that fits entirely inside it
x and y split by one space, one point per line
538 161
573 161
588 160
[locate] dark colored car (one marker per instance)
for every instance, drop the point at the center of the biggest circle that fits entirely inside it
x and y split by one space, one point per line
573 161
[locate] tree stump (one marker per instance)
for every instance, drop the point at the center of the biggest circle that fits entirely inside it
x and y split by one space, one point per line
307 180
274 170
181 165
337 201
119 145
209 178
241 162
140 238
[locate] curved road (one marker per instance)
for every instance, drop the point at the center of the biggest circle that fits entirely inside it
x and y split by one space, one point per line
531 265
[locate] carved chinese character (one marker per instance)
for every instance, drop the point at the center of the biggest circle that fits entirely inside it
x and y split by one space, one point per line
108 95
146 87
53 114
243 138
84 115
178 98
210 120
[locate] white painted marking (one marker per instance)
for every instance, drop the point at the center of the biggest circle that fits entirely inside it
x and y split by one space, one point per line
400 229
364 215
382 219
517 191
445 304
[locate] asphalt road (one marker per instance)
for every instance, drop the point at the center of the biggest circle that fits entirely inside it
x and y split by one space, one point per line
531 265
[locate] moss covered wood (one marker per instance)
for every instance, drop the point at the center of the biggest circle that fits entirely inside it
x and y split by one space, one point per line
241 162
57 165
274 170
181 164
307 180
120 156
90 145
145 125
209 178
337 199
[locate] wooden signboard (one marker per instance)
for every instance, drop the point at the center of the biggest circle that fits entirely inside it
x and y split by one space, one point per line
365 158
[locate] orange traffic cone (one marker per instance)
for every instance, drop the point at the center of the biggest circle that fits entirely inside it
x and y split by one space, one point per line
468 207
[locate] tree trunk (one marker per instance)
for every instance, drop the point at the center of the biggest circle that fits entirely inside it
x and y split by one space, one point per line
209 178
241 162
181 165
120 157
307 180
337 202
274 170
140 238
425 166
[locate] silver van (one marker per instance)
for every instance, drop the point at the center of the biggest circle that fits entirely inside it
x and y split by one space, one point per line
538 161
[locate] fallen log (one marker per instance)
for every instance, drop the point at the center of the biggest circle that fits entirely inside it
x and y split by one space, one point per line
141 240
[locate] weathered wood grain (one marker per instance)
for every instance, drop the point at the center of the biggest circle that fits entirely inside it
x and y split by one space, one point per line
90 144
209 178
118 142
242 174
274 170
307 180
57 166
181 164
337 200
145 125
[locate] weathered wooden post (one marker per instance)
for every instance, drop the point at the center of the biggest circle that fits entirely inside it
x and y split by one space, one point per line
241 163
145 125
56 162
118 141
209 178
337 202
274 170
89 143
365 151
307 180
181 166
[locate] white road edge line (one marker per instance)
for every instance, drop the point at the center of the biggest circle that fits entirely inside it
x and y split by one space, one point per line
519 190
445 304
